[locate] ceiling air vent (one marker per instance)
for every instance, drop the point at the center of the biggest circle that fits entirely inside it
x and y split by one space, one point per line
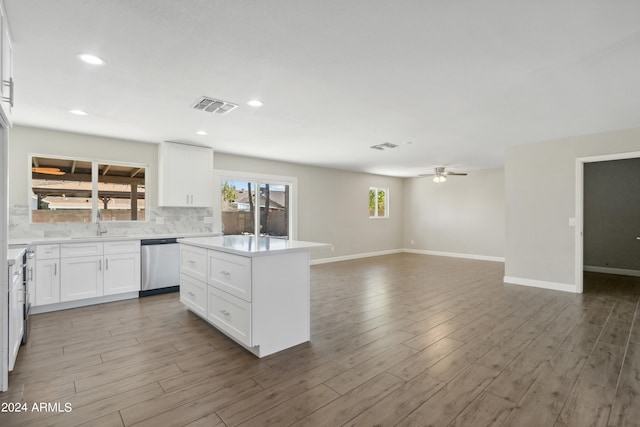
211 105
383 146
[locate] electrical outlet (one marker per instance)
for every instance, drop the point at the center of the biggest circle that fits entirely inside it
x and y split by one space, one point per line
159 220
412 242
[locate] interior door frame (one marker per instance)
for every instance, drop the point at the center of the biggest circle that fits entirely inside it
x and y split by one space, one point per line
579 229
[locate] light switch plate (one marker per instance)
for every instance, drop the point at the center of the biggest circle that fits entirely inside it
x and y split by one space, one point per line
572 222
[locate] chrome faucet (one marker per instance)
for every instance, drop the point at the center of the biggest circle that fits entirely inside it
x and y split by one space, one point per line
101 230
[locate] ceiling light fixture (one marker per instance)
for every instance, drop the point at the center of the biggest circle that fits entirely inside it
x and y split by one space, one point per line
255 103
91 59
79 112
439 179
201 132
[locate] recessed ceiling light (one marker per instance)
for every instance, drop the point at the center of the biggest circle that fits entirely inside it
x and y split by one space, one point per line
201 132
255 103
91 59
79 112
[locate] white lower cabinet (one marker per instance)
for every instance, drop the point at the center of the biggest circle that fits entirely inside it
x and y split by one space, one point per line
230 314
79 271
47 281
81 278
16 318
121 273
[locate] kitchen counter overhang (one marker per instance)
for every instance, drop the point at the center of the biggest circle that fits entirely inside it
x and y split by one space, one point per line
252 246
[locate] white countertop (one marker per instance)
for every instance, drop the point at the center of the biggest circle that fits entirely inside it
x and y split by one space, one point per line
252 246
14 256
103 238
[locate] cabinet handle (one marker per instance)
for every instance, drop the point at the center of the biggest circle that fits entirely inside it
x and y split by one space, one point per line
225 312
31 273
9 98
187 199
106 262
100 264
224 273
191 294
192 199
55 268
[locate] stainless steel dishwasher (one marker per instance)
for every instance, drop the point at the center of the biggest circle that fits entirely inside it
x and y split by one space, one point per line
160 266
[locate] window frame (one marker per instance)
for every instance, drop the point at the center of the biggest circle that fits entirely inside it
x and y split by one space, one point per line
386 203
94 185
258 178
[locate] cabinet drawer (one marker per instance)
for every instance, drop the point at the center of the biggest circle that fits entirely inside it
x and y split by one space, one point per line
121 247
193 261
69 250
47 251
193 294
231 273
230 314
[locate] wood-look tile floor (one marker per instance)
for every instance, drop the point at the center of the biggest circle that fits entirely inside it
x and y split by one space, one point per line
408 340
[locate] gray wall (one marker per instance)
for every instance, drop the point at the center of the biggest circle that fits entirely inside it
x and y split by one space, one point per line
540 181
612 214
464 215
333 205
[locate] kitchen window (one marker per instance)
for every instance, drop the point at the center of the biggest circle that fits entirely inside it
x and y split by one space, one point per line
378 202
253 204
69 190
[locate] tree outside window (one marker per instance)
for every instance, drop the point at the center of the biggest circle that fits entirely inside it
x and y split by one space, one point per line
378 202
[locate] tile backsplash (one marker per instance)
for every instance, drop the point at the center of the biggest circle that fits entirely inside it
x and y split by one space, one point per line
175 221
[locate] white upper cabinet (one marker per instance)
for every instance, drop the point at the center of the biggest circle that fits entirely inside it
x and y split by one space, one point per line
185 175
6 68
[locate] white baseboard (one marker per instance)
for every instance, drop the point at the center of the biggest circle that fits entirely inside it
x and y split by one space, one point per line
455 255
82 303
610 270
540 284
355 256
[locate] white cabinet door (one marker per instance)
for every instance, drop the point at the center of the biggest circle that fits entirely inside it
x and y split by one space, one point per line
48 281
81 278
172 175
16 319
185 175
201 180
121 273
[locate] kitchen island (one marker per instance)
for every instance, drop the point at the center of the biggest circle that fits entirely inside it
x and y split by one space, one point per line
254 290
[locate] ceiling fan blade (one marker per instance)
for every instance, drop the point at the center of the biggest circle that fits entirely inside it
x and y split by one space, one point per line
423 175
455 173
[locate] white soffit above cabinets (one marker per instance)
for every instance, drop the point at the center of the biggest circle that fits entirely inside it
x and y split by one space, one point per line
461 80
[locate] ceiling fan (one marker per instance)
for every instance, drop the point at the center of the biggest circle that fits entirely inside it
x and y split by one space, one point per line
440 174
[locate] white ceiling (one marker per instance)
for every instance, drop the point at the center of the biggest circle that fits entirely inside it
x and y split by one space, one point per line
461 80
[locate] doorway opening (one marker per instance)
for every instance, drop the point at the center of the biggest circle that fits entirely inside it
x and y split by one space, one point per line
580 210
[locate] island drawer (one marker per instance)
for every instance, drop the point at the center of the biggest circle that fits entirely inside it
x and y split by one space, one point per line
193 261
193 293
230 314
230 273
